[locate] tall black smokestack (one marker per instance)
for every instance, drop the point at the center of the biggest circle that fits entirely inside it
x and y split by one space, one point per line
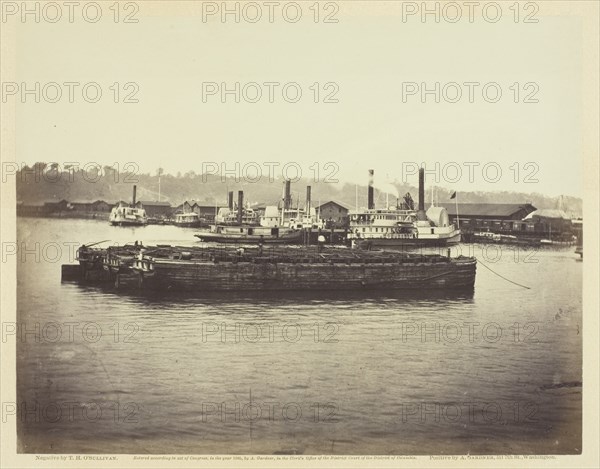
230 200
308 189
287 201
240 206
421 216
134 194
371 199
422 189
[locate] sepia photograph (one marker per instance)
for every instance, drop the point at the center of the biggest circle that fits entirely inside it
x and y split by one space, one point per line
299 233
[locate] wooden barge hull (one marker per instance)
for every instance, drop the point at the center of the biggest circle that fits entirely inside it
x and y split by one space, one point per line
291 268
245 276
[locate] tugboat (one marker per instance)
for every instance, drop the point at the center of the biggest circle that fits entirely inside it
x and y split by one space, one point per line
187 220
402 226
124 214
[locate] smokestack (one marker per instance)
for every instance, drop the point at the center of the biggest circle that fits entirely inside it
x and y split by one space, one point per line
287 201
371 200
308 200
421 212
134 194
230 200
421 189
240 207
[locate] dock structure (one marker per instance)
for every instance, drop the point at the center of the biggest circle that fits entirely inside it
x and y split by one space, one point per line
198 269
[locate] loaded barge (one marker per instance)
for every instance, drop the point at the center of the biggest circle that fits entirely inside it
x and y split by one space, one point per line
205 269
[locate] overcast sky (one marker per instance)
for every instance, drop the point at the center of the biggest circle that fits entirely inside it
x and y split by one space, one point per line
368 54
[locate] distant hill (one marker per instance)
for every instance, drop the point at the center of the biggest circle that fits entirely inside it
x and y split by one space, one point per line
43 183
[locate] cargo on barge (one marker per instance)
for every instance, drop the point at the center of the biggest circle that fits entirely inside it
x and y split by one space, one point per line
289 268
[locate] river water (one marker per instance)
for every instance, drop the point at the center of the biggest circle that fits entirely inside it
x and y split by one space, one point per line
496 371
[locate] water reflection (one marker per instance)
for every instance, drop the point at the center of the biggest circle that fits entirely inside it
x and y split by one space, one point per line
276 298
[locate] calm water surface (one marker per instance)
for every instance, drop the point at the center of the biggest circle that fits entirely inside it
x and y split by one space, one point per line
498 371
